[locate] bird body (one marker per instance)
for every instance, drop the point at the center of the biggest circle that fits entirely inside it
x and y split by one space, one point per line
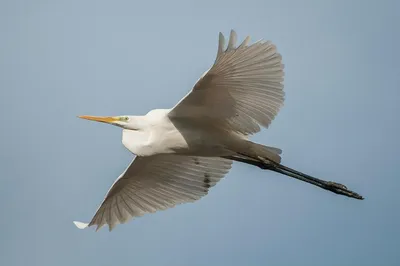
184 151
155 133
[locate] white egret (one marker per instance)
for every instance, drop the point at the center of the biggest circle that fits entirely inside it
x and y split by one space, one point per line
183 151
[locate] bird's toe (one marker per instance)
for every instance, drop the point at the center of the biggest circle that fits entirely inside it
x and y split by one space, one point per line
336 185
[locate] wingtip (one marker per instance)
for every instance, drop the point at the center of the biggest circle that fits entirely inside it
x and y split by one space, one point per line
232 40
81 225
221 44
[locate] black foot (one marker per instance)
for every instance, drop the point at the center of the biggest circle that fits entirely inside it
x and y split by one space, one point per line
336 185
342 190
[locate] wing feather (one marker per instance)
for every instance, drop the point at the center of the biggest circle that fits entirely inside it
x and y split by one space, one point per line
157 183
242 91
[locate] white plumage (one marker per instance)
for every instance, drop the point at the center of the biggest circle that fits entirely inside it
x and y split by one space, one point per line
183 151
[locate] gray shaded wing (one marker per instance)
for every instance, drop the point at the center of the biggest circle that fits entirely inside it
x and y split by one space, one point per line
241 91
156 183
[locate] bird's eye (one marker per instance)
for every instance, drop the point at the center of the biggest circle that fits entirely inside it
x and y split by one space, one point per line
124 118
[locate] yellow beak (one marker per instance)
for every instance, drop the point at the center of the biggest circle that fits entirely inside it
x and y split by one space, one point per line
104 119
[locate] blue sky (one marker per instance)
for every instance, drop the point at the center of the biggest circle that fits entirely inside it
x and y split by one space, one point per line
60 59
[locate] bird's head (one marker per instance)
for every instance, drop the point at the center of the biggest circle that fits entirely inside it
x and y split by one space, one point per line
124 121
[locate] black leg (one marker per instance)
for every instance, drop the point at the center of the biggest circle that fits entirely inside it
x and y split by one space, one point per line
279 168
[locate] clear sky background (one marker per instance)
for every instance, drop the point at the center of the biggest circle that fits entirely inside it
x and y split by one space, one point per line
60 59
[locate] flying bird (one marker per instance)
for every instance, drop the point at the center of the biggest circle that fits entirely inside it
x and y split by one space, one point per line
184 151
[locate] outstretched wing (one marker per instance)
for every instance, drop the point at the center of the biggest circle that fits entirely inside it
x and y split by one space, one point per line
241 91
156 183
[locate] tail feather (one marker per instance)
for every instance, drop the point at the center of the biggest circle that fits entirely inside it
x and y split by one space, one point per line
273 149
255 151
